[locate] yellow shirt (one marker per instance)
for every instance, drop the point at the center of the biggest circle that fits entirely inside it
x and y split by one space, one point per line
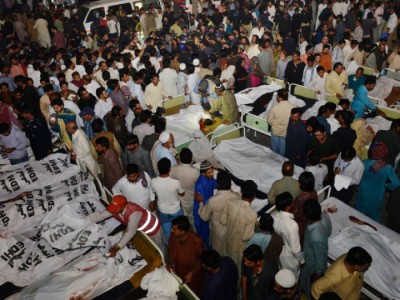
334 83
177 29
279 116
337 279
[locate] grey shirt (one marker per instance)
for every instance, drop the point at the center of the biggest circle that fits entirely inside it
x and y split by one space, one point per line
139 157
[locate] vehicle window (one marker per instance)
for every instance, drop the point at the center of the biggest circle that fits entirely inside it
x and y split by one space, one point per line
95 14
127 7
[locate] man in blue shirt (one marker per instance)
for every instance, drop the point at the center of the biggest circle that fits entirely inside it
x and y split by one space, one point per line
357 80
361 100
204 190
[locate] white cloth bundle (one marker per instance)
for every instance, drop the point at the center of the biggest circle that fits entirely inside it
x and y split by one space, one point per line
160 284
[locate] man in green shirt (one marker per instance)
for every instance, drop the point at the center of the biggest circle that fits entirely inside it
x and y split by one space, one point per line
226 102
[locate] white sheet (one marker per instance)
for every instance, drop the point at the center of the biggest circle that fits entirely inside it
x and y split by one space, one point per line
26 177
184 124
383 245
249 95
378 123
86 278
250 161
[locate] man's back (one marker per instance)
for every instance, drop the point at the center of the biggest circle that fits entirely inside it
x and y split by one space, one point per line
223 284
285 184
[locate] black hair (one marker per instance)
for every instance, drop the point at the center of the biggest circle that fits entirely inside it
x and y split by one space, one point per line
348 153
320 68
358 256
295 111
4 127
330 106
99 91
132 103
329 296
370 80
116 111
186 156
103 141
97 125
395 124
344 101
57 101
164 166
159 125
248 189
112 83
307 182
145 115
182 222
319 128
314 157
132 139
253 253
211 259
282 201
338 64
266 222
132 169
283 93
224 181
312 210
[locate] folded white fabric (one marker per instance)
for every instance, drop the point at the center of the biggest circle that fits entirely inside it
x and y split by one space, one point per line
160 284
342 182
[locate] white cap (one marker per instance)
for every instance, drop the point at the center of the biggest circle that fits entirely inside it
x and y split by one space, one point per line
164 137
285 278
196 62
182 67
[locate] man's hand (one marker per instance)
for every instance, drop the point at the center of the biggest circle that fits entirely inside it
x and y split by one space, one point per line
337 171
114 250
188 278
339 96
198 197
152 205
150 107
9 150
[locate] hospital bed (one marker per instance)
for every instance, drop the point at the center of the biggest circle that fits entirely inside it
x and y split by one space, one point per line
381 280
172 106
393 74
280 82
247 160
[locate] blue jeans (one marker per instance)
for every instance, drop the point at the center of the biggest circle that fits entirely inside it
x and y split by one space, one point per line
166 221
278 144
19 160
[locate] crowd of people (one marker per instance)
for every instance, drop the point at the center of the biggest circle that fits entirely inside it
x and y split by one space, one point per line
101 93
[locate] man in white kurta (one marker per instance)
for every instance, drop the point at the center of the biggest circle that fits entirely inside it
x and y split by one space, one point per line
153 94
136 187
42 29
82 148
287 228
169 80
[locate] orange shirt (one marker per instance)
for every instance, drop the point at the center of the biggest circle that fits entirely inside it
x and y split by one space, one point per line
326 62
